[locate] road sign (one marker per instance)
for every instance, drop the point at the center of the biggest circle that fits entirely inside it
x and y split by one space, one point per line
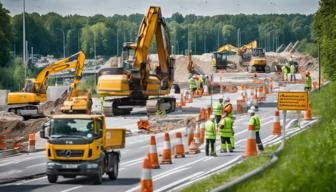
293 101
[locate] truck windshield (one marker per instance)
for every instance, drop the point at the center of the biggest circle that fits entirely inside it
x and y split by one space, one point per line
71 127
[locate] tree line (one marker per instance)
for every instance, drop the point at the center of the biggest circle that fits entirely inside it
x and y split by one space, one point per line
202 34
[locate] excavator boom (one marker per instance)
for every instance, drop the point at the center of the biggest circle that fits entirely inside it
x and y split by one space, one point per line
137 80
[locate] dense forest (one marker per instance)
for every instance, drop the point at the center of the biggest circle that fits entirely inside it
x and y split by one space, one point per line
324 32
44 33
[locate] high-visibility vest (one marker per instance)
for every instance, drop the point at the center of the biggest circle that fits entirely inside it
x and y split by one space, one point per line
227 106
284 69
226 127
308 81
210 130
255 120
292 69
217 108
192 83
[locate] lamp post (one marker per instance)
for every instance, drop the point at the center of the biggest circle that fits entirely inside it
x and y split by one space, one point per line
24 38
61 30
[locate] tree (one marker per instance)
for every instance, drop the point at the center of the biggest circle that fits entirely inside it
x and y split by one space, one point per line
324 32
6 37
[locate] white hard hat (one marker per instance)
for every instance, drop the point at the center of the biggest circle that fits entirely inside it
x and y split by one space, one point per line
253 108
251 111
212 116
227 99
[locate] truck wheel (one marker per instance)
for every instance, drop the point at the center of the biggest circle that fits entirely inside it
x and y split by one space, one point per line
52 178
114 173
98 179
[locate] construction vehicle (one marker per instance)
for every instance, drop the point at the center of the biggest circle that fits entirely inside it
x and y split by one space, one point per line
219 58
77 101
81 144
258 61
27 102
135 84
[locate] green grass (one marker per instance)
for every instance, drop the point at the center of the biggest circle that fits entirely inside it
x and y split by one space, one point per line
234 172
308 162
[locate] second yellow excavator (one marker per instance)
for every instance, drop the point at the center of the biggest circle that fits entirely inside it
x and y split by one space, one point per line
135 84
27 102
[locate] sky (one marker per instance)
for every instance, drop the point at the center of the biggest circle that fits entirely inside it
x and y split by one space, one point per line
168 7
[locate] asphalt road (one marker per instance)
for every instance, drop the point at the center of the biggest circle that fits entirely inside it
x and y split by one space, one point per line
182 170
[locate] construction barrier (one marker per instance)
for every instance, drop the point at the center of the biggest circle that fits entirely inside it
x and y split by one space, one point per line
2 142
146 183
178 146
166 151
153 155
251 145
276 124
143 124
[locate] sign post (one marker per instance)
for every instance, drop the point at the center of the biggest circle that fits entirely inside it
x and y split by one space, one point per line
296 101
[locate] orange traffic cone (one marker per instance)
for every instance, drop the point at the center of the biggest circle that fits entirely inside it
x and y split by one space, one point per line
146 183
154 159
271 87
190 100
202 132
31 141
255 99
166 152
190 135
276 124
308 113
206 91
2 142
194 146
251 145
178 147
240 103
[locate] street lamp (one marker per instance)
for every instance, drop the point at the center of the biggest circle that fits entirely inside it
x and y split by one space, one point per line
61 30
24 38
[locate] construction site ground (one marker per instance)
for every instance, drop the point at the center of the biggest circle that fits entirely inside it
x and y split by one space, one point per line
25 172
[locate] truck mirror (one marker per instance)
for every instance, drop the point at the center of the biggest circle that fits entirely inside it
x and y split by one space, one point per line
44 130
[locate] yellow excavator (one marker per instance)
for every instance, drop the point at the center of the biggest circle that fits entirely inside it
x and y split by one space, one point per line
77 100
135 84
27 102
219 58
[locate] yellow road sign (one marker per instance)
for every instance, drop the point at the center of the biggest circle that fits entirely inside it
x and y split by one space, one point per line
293 101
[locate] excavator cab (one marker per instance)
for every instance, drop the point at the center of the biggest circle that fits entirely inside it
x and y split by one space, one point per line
128 55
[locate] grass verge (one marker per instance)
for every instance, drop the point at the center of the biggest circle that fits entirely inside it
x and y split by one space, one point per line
308 162
233 173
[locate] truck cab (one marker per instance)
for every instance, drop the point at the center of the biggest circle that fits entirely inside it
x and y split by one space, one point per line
82 145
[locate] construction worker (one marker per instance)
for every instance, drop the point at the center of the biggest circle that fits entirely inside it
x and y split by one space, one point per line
308 82
225 130
229 109
192 84
210 136
217 109
201 83
292 72
284 71
255 120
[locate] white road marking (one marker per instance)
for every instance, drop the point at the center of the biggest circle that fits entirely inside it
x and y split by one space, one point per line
73 188
164 173
169 173
178 181
208 159
127 162
32 180
36 165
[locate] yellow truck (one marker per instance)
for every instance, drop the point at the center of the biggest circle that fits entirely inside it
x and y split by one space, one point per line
81 144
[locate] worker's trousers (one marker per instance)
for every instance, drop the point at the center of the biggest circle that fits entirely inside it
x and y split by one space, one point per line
210 143
292 77
259 143
226 143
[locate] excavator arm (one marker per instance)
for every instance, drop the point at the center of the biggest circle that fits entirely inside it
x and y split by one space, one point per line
152 24
75 61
